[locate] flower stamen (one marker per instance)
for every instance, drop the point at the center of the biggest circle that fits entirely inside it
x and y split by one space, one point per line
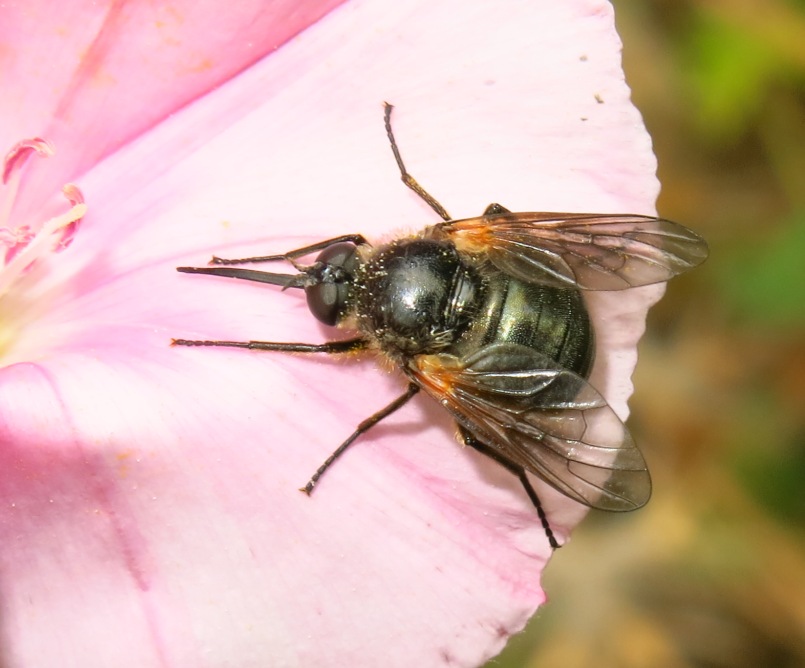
12 169
55 234
26 243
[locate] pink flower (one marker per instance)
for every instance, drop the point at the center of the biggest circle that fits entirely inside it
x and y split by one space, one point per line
149 512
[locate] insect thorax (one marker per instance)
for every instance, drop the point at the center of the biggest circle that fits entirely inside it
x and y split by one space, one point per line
416 296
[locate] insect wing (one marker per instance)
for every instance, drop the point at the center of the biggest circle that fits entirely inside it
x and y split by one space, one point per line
542 417
586 251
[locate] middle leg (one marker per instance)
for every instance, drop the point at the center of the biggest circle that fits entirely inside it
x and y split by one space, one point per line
363 427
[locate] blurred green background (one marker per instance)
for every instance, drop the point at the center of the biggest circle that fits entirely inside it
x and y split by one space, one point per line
712 571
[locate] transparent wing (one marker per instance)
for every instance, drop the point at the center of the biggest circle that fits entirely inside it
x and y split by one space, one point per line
586 251
542 417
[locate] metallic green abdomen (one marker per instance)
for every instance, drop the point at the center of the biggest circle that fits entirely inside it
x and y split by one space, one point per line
550 320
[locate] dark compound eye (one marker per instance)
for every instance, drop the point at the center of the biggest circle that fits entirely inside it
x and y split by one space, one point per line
333 271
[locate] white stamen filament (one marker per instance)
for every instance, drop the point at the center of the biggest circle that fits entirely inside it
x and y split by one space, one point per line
40 245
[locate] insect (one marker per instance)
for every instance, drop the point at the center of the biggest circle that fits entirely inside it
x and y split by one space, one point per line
487 317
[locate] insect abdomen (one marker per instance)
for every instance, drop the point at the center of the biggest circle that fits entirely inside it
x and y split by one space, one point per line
551 320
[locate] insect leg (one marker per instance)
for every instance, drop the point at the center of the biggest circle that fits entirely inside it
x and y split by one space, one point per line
330 347
356 239
363 427
519 471
407 179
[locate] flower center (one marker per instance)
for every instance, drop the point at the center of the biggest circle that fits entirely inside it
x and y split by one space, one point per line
23 244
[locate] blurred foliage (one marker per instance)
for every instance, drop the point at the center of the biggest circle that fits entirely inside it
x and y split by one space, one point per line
712 572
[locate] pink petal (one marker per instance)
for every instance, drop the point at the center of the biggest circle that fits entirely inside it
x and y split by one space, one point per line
153 516
91 76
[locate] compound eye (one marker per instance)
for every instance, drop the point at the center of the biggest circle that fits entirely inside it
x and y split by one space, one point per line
327 297
338 255
325 301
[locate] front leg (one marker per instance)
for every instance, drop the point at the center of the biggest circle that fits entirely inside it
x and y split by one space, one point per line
356 239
